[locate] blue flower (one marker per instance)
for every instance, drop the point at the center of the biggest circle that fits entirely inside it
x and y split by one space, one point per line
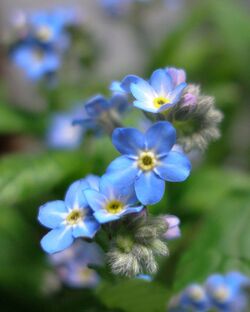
194 297
148 161
111 202
62 134
48 27
227 292
35 61
163 90
72 264
67 219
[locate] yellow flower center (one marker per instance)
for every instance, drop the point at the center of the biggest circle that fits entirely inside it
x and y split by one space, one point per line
75 216
114 206
221 294
44 33
161 100
147 161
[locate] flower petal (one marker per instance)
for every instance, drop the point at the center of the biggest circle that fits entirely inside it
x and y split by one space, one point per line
175 96
142 91
146 106
57 240
128 140
95 200
87 228
122 171
102 216
149 188
160 137
74 197
52 213
175 167
96 105
161 82
128 80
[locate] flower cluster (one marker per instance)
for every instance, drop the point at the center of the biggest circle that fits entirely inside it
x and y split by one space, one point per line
72 264
167 96
42 38
115 206
218 293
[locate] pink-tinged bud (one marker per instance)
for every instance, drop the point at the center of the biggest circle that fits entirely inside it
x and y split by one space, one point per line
173 230
189 99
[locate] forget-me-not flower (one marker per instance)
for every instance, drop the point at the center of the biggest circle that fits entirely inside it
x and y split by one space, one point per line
62 134
72 264
148 161
111 202
227 292
67 219
35 61
163 90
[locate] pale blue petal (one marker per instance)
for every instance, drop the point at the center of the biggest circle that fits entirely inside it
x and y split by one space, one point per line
175 96
160 137
131 210
175 167
128 80
93 181
142 91
52 214
149 188
96 106
95 200
122 171
57 240
161 82
145 106
128 140
87 228
102 216
74 197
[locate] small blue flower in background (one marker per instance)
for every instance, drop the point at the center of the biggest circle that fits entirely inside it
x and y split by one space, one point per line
148 161
67 219
35 61
145 277
173 230
163 90
219 293
116 8
62 134
227 292
72 264
111 202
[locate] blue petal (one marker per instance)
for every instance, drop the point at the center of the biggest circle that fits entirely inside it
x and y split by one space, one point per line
74 197
96 106
115 87
161 82
102 216
149 188
52 214
175 96
160 137
122 171
93 181
214 281
119 102
144 106
175 167
57 240
87 228
95 199
142 91
128 80
128 140
131 210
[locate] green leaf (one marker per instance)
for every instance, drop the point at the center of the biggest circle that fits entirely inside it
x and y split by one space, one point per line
134 296
24 177
219 244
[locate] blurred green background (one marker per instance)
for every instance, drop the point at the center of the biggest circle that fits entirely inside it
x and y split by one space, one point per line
211 41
